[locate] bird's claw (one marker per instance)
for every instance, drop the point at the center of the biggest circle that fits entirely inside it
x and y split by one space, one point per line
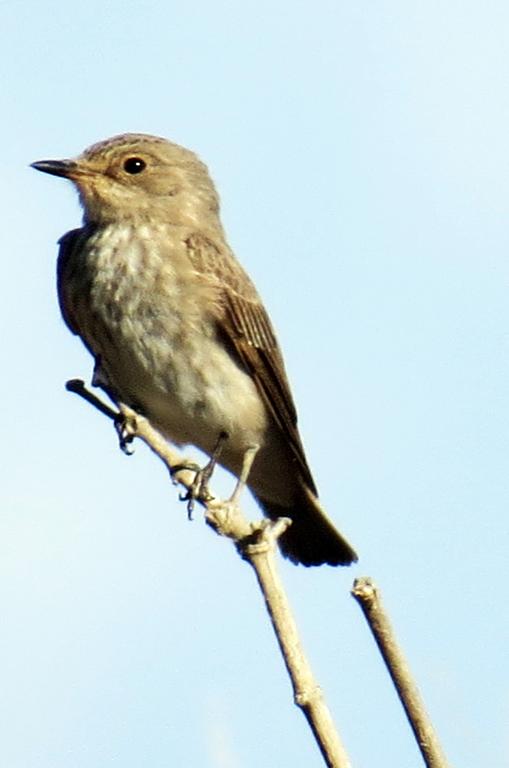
198 490
126 433
184 466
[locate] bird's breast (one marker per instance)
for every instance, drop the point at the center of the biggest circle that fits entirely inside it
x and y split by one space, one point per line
146 315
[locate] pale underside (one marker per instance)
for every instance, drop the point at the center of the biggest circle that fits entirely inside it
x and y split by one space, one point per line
156 346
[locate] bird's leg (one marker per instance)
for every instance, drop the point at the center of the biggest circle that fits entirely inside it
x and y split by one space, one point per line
199 490
225 517
125 424
247 463
209 468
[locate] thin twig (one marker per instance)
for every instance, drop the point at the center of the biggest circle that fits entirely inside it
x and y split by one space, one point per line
256 542
368 597
307 693
77 386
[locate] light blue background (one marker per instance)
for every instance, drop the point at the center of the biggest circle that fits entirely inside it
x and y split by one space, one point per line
361 152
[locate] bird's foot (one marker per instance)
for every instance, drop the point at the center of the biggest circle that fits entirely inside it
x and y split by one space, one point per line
183 466
195 492
199 489
125 426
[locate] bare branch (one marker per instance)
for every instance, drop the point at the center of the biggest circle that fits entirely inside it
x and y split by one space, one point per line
307 694
256 543
368 597
77 386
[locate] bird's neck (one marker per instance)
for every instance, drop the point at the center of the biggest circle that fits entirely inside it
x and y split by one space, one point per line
194 214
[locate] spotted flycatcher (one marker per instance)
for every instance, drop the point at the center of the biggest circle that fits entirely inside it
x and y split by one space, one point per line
177 329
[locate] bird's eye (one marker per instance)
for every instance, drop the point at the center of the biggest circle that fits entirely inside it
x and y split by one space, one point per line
134 165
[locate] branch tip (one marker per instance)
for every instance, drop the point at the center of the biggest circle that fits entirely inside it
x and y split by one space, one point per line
364 589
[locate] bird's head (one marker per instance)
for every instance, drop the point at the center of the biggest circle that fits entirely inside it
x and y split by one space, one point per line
137 177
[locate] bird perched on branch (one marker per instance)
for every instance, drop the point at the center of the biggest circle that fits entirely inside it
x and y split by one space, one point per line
177 328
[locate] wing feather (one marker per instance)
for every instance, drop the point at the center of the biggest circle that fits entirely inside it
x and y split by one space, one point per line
68 244
244 323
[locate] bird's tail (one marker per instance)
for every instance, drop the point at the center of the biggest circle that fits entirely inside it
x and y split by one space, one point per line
311 539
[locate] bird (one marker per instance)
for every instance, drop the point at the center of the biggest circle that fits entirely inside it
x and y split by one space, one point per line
177 329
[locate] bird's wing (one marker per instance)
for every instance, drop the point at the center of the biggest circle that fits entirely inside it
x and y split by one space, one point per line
68 244
243 322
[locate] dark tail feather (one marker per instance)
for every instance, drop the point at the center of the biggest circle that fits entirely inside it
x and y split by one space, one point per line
311 539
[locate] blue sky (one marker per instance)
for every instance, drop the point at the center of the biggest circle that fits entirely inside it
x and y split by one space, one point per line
360 151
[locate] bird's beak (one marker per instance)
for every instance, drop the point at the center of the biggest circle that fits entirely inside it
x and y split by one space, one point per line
69 169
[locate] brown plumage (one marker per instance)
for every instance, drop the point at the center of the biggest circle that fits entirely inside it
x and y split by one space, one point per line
177 328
